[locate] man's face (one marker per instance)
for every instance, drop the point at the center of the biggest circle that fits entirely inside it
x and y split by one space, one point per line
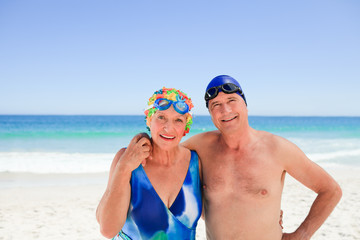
227 111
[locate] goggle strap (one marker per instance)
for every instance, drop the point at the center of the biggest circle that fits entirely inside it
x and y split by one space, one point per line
149 107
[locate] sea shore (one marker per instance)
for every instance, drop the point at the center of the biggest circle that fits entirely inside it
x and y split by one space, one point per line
62 206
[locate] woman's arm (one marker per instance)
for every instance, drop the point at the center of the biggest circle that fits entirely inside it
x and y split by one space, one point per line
113 207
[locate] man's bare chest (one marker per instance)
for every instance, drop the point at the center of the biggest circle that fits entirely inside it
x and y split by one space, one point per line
242 176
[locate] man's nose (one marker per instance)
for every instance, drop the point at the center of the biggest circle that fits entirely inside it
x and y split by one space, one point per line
226 108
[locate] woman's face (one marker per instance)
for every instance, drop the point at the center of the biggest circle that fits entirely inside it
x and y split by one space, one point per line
167 128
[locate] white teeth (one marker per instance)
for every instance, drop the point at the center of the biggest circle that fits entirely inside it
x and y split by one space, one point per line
167 137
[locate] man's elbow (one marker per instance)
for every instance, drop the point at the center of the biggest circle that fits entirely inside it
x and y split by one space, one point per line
334 192
97 214
337 192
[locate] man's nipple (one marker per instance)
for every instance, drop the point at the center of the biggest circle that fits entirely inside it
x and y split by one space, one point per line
264 192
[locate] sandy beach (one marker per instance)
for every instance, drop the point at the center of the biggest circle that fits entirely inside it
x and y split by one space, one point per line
62 206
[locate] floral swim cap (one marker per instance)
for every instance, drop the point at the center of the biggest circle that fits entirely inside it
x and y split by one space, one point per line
173 95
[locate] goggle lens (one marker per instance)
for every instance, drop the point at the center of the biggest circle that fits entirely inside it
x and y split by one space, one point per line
229 87
181 107
212 92
163 104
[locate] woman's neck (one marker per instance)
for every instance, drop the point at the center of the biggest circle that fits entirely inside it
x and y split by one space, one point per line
166 157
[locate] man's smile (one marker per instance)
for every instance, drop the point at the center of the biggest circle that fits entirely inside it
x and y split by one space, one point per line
229 119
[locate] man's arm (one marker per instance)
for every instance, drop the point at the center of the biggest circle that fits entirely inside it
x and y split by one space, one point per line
193 142
314 177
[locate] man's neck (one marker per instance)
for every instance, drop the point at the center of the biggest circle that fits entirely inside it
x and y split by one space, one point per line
237 140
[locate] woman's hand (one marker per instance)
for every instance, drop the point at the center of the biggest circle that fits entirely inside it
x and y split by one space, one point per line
137 152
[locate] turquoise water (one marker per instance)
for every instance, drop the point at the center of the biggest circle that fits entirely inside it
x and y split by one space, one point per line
88 143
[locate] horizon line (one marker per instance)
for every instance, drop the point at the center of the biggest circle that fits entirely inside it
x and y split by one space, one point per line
194 115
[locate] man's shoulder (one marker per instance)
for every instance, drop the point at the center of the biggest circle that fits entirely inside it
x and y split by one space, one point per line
202 134
201 139
275 143
210 133
207 136
263 135
270 139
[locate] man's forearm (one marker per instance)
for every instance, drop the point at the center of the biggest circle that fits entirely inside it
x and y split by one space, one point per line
322 207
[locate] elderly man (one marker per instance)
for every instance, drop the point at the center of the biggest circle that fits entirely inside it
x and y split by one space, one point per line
244 170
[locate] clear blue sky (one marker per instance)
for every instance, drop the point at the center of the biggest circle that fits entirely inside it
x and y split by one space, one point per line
294 58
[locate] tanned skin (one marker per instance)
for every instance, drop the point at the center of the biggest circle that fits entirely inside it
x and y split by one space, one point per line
243 172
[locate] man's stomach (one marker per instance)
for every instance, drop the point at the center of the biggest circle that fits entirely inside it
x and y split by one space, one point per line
237 220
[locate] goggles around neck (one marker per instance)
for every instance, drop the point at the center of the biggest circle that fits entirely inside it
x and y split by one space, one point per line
180 106
227 88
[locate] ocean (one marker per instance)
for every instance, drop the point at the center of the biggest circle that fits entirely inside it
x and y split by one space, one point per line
87 144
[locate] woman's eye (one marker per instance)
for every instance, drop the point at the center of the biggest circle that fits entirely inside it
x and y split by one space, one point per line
161 117
179 120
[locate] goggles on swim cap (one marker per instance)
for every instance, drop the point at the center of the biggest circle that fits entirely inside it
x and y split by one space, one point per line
180 106
227 88
163 99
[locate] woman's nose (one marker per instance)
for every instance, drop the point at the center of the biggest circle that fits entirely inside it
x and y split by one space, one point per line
167 125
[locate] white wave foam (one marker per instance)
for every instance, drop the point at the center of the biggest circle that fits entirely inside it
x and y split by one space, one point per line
334 155
55 162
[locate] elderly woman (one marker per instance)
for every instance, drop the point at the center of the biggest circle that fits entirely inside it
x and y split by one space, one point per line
154 189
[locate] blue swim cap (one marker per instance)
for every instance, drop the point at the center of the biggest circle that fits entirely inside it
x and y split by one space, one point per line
220 80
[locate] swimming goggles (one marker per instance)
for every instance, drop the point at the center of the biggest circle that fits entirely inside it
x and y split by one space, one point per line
227 88
180 106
